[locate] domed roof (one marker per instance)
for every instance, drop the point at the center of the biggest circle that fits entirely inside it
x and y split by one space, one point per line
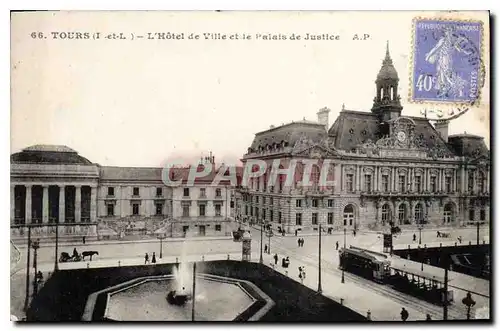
49 154
387 71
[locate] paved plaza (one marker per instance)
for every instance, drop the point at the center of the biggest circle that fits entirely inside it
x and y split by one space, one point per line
365 297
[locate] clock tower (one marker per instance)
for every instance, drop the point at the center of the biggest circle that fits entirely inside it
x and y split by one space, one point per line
387 102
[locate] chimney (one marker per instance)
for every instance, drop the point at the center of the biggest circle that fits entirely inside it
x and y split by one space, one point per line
323 117
442 128
271 127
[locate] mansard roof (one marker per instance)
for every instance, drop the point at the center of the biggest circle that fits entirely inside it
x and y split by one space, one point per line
469 146
288 135
49 154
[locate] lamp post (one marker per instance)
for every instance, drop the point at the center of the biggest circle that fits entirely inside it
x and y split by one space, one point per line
35 245
468 302
261 260
161 237
56 262
319 262
269 234
27 296
343 267
477 232
420 232
194 292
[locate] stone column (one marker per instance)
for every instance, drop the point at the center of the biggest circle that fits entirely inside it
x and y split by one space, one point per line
93 204
411 179
62 204
45 204
443 175
337 178
376 176
28 204
12 204
358 178
78 204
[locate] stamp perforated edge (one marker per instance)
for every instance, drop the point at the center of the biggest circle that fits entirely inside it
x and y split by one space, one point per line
482 70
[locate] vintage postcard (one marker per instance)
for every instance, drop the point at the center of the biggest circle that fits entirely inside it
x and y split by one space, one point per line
250 166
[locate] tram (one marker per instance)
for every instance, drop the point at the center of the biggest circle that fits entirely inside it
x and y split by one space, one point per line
368 264
421 285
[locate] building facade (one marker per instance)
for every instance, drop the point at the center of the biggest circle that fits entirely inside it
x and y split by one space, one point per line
386 167
53 185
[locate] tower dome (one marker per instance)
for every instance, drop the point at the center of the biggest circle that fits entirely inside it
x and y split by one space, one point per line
387 71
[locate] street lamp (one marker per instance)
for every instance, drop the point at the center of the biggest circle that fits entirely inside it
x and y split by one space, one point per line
161 237
319 262
343 267
468 302
420 232
261 260
56 263
35 245
477 232
269 234
27 296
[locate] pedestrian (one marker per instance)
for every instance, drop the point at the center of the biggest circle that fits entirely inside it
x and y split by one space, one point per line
75 253
428 317
275 258
265 248
459 239
404 314
153 259
83 240
296 232
438 234
354 232
300 275
298 242
337 246
302 242
146 258
414 237
283 263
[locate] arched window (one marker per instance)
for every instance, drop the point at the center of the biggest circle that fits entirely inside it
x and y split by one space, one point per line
402 214
315 176
349 215
386 214
419 214
448 216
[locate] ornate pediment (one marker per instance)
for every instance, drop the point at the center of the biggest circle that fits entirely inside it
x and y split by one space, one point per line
315 151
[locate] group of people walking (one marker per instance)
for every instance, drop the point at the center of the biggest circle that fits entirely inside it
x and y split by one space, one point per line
146 258
300 242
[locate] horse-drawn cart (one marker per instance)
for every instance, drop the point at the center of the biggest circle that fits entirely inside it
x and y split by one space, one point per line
65 257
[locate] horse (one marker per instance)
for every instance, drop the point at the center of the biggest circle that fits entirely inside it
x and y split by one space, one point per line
89 253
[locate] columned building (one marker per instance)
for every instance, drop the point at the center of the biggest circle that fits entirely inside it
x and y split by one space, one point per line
54 187
387 168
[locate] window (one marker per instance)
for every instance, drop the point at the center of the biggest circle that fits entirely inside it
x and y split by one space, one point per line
217 210
368 183
281 180
159 209
159 191
135 209
330 203
402 184
472 215
218 192
419 215
271 215
111 191
298 219
271 201
348 215
246 210
185 211
481 181
298 203
482 215
232 204
433 184
218 227
447 183
350 183
386 213
202 210
185 228
186 192
315 203
264 200
330 218
257 199
256 212
111 209
258 183
402 214
470 182
263 214
265 182
314 218
385 183
418 183
279 217
136 191
203 192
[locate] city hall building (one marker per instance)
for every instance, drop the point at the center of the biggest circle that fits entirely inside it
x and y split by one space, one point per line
54 185
387 167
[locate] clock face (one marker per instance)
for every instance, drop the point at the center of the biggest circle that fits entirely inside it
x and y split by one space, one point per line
401 136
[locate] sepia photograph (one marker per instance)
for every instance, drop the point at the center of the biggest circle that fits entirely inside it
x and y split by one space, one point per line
250 166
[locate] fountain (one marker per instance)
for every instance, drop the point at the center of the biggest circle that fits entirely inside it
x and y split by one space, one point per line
180 295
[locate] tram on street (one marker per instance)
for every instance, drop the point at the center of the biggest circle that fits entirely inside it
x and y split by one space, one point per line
368 264
421 285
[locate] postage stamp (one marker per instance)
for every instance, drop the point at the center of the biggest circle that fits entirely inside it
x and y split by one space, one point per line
446 65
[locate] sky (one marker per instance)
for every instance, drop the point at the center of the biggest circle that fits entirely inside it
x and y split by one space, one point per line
141 102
